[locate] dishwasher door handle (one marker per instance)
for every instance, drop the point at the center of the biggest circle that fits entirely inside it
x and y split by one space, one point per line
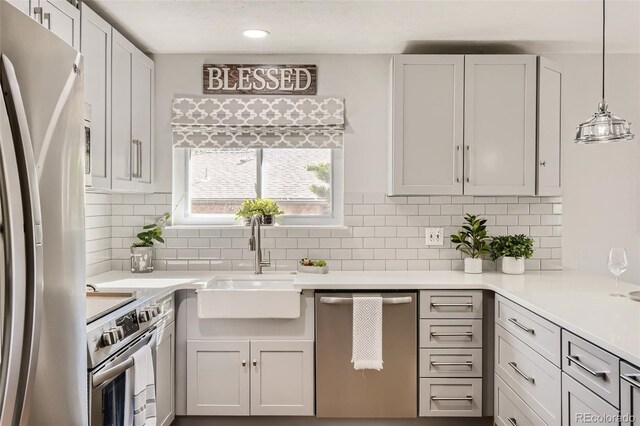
349 300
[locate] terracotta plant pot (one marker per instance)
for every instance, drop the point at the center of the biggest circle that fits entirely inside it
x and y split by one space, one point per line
473 266
512 265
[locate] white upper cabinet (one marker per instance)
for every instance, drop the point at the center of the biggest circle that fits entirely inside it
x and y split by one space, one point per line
96 49
427 124
142 84
466 124
500 124
63 19
122 145
59 16
549 172
132 84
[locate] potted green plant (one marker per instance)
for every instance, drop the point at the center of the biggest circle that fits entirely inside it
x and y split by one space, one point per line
267 209
143 252
473 241
513 249
313 266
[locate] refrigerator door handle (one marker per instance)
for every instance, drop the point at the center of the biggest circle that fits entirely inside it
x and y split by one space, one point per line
33 233
13 274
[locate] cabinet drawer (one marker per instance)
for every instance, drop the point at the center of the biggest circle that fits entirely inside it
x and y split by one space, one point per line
629 394
580 406
450 333
450 362
510 410
542 335
450 397
451 304
532 377
595 368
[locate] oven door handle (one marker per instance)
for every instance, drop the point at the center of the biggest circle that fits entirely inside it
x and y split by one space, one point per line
111 373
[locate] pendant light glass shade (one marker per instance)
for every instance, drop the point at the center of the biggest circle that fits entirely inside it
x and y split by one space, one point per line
603 127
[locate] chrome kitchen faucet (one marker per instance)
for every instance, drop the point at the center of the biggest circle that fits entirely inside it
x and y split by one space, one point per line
255 245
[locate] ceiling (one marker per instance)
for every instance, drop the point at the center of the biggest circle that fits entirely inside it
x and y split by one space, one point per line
391 26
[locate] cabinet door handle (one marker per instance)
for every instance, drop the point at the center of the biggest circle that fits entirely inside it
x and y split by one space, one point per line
458 163
524 376
465 363
631 379
522 327
254 362
47 17
136 163
37 14
513 421
574 359
464 333
461 305
452 398
468 163
244 362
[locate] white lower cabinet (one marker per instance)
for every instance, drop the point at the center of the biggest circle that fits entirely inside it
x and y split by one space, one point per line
581 406
511 409
241 378
450 397
282 378
165 375
629 395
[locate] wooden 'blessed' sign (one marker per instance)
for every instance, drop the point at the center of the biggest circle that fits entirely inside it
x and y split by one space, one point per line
221 79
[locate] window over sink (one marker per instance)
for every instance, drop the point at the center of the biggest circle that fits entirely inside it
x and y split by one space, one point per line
211 183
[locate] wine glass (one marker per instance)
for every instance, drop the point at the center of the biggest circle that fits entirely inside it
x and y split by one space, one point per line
618 264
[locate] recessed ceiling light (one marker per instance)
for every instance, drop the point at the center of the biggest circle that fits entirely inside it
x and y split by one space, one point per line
255 33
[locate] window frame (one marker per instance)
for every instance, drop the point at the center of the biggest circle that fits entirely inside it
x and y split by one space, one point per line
180 196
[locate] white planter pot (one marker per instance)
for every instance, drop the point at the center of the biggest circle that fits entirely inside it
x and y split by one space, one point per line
142 259
513 266
472 266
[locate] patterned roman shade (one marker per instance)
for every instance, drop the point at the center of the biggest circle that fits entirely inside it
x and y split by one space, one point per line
258 122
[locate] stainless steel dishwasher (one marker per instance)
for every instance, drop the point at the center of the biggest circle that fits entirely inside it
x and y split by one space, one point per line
342 391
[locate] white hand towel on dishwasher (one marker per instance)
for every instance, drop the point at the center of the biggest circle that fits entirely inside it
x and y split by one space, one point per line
144 388
367 333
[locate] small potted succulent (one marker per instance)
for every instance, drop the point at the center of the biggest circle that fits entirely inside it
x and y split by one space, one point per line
143 252
313 266
267 209
473 241
513 249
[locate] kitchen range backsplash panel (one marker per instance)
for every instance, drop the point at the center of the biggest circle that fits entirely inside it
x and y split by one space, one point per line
381 233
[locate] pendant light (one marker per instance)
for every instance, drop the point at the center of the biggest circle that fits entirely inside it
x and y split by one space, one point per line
603 127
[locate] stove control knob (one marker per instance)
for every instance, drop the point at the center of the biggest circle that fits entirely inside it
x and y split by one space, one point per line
110 337
154 311
144 316
119 332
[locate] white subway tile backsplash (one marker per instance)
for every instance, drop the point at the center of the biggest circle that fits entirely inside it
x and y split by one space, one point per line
381 233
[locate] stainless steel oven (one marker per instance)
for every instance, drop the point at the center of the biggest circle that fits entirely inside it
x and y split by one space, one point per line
108 388
87 144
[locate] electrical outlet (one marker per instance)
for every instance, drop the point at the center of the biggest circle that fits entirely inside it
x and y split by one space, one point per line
434 236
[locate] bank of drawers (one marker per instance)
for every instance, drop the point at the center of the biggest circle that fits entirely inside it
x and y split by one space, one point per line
549 376
527 361
450 353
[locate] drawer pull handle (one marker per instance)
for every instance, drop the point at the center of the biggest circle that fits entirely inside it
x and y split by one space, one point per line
631 379
517 324
574 359
465 334
466 363
520 372
513 421
461 305
452 398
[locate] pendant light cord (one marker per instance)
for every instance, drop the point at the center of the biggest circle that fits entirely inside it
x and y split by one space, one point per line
603 45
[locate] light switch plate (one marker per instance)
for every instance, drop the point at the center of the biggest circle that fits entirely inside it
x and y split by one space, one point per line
434 236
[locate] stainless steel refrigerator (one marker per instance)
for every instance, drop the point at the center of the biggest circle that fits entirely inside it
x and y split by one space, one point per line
42 248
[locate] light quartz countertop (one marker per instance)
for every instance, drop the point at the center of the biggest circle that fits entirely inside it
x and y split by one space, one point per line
576 301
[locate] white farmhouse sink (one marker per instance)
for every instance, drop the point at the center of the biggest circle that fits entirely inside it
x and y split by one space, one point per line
250 296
